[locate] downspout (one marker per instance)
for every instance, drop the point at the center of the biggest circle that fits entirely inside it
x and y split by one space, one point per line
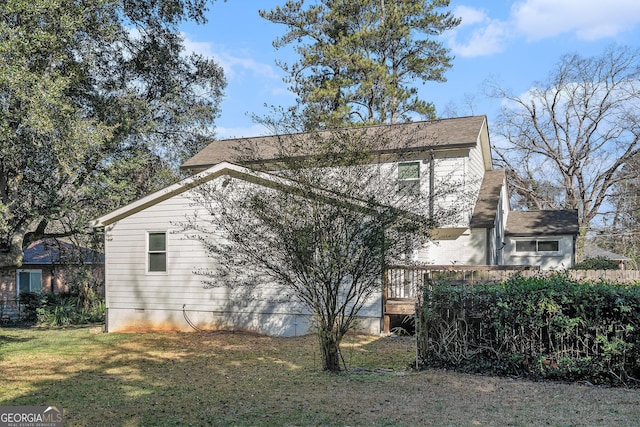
488 246
103 229
384 319
432 182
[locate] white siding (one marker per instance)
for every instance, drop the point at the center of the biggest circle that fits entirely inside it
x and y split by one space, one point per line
545 260
139 300
455 247
451 184
476 165
457 179
497 244
177 299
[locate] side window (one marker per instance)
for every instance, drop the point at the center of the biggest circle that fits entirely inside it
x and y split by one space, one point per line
537 246
525 246
157 252
409 178
28 281
548 246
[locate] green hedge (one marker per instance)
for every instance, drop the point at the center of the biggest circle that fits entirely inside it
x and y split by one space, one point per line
597 263
549 327
60 309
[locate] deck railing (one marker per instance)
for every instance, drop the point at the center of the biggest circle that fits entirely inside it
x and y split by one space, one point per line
402 282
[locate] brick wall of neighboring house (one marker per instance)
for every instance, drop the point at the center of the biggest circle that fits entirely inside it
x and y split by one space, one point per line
56 278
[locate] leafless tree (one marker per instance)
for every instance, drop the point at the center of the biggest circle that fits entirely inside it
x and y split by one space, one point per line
323 230
567 139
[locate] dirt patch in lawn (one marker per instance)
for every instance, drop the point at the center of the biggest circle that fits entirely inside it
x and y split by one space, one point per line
243 379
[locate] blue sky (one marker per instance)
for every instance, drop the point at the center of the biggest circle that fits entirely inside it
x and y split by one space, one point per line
514 42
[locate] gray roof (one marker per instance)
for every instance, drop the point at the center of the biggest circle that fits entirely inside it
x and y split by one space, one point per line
591 251
484 212
51 251
547 222
416 136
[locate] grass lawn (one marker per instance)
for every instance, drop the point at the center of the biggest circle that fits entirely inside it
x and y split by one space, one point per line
242 379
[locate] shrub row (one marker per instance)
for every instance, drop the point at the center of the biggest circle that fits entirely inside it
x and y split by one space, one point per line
549 327
82 303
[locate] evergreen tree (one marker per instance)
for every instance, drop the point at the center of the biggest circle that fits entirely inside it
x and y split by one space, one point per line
359 59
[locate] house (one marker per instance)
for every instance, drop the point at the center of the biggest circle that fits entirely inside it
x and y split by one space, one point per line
592 251
150 282
543 238
49 265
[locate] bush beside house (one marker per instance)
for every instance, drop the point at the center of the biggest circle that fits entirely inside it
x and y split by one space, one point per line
597 263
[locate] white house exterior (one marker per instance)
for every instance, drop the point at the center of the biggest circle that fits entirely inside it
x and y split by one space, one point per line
150 282
542 238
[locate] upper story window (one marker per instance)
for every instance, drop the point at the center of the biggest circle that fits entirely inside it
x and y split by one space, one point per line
537 246
409 178
157 252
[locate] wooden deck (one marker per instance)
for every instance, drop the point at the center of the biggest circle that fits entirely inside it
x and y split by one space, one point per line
402 283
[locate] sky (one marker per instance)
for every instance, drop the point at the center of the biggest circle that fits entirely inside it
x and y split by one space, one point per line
515 43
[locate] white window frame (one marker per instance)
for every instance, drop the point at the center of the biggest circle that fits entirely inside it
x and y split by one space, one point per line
537 244
404 182
31 272
149 252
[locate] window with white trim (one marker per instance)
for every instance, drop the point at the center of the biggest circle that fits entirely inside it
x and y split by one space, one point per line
537 245
409 178
28 281
157 252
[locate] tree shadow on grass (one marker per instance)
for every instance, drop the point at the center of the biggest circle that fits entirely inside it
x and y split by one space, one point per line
245 379
149 379
8 339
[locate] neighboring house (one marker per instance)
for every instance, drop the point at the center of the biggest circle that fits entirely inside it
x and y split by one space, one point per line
591 251
48 265
150 281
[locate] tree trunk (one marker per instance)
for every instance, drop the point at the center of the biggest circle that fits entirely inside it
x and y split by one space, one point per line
330 351
11 255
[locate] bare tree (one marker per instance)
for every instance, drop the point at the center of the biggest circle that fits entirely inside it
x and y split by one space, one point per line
323 231
620 231
568 138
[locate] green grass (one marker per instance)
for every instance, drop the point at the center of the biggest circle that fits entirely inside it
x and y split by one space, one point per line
242 379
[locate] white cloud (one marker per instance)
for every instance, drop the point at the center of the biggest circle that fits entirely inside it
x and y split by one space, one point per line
201 48
241 132
587 19
477 35
233 65
470 15
481 35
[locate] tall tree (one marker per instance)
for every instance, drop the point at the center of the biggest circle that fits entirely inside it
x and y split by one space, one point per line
94 94
620 230
569 137
359 59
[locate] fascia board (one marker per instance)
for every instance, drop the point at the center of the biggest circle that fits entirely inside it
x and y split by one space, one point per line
168 192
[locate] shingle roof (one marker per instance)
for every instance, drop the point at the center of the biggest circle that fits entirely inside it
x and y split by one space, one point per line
49 251
406 136
548 222
591 251
484 212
